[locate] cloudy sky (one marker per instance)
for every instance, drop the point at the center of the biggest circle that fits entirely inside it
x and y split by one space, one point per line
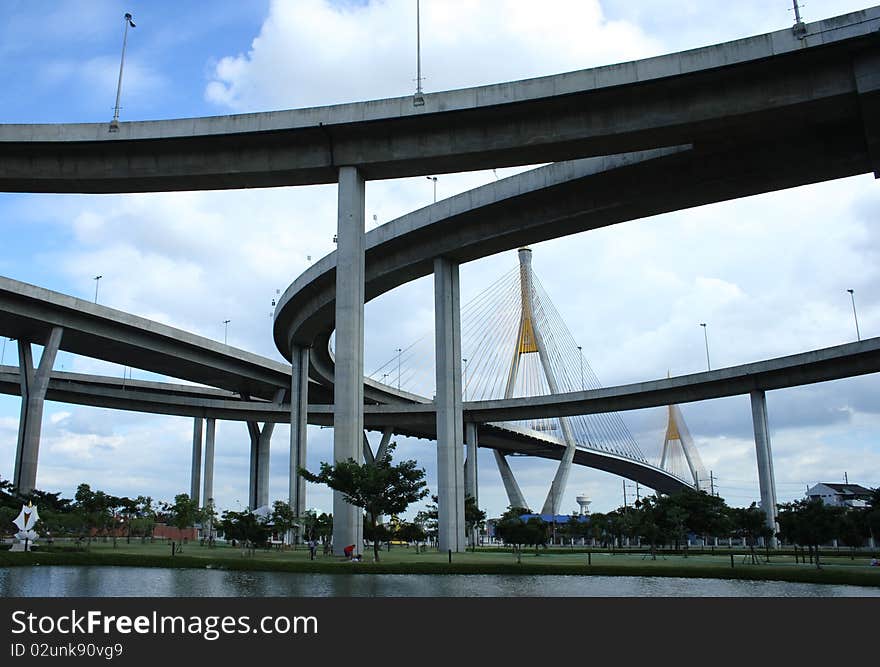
767 274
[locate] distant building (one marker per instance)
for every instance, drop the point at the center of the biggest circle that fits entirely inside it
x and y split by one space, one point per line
840 495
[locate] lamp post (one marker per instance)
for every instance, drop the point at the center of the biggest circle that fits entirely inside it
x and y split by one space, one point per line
114 124
855 317
226 331
706 338
399 353
581 360
433 178
96 279
464 379
418 98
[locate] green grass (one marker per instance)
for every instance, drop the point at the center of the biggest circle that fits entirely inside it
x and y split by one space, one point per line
401 560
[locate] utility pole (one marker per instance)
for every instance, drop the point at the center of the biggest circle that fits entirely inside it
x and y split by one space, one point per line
711 483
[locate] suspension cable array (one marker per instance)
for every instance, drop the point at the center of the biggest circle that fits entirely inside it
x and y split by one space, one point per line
502 331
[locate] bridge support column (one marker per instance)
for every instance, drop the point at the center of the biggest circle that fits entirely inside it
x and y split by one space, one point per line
348 397
299 409
450 439
471 437
261 442
210 433
34 384
471 488
766 478
196 467
514 494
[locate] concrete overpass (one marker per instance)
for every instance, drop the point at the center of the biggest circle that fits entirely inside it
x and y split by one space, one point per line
755 115
751 87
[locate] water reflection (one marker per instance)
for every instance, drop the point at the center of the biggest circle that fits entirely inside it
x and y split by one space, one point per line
60 581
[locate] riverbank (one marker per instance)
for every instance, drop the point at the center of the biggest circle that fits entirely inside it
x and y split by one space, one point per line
402 560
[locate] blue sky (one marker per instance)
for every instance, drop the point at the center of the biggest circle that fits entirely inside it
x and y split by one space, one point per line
768 274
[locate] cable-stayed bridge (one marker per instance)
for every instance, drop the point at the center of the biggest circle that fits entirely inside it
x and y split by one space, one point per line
515 344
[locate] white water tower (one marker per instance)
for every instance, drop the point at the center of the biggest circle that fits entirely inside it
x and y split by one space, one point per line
584 501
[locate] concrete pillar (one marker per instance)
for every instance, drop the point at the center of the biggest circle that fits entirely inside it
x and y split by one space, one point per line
210 433
514 494
261 444
450 438
348 396
299 408
766 482
387 433
34 384
471 488
196 467
471 437
253 467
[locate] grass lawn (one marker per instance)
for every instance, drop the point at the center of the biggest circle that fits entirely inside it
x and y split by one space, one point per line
836 569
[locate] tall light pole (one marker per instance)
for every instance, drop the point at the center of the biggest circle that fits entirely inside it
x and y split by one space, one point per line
418 98
464 379
226 331
706 338
96 279
399 353
114 124
581 359
433 178
855 317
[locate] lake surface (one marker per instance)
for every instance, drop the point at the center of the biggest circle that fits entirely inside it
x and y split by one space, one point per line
102 581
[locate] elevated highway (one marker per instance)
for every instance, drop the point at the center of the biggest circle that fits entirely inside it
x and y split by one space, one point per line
749 88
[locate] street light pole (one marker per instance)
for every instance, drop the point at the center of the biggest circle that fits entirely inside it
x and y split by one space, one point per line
96 279
855 317
464 380
226 331
418 98
581 359
114 124
399 353
706 337
433 178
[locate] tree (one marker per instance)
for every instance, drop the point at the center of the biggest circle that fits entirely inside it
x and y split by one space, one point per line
184 512
378 487
245 527
809 522
283 518
474 518
513 530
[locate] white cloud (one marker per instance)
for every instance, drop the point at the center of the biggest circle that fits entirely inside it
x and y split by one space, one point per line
312 52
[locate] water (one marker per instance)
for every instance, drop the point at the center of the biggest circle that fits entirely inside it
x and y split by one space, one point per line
99 581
